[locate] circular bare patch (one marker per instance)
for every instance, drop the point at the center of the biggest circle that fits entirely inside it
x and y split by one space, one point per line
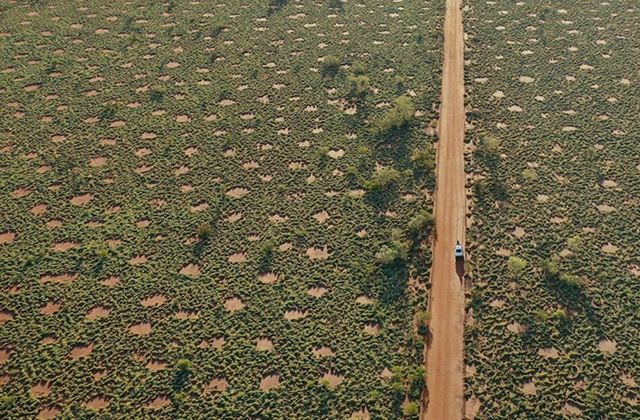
269 381
140 329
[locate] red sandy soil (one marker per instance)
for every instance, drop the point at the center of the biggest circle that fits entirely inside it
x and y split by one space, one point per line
444 399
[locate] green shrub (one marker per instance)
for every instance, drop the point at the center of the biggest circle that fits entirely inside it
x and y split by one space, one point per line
204 231
399 116
516 266
411 410
424 159
358 85
330 65
421 224
575 244
381 178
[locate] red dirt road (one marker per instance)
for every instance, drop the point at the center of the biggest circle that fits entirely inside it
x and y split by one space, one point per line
444 356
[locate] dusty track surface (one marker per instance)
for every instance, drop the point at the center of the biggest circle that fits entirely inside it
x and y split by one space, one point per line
444 355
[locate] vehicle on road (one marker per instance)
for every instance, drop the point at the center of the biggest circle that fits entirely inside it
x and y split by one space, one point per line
459 253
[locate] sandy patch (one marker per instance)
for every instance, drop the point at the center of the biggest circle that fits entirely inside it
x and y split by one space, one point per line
497 303
607 183
603 208
50 308
276 218
609 249
237 192
31 88
81 351
264 344
138 259
65 246
158 403
96 403
98 312
295 314
526 79
219 384
41 389
286 246
549 353
317 254
238 257
515 327
364 300
155 300
335 154
5 316
59 278
187 314
323 351
268 278
334 379
372 329
628 381
38 209
7 237
190 270
362 414
48 413
519 232
234 304
608 346
569 409
471 408
156 365
110 281
317 291
140 329
321 217
270 381
199 207
4 355
529 388
81 200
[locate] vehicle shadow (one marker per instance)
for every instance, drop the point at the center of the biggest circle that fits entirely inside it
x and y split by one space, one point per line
460 268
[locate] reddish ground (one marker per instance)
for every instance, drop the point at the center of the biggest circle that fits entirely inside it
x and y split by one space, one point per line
444 399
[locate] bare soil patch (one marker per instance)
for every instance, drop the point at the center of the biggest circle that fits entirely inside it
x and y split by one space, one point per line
234 304
158 403
79 351
295 314
140 329
372 329
41 389
264 344
58 278
268 278
270 381
50 308
323 351
7 237
333 379
318 254
608 346
5 316
110 281
81 200
549 353
218 384
317 291
97 403
238 257
98 312
48 413
190 270
156 365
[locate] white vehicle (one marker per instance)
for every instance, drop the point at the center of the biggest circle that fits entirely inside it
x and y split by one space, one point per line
459 253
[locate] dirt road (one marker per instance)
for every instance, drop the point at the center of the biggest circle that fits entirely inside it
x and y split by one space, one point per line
444 356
